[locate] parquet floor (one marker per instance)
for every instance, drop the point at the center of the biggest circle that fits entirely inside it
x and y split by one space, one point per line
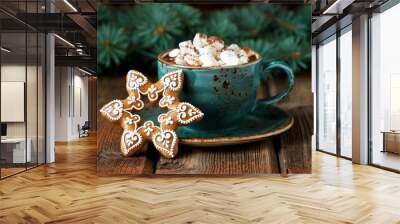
70 192
10 171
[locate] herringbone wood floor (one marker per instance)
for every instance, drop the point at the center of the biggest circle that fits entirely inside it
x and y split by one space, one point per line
69 191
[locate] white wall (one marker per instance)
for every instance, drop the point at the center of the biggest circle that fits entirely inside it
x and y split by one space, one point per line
80 111
71 102
61 103
16 72
10 73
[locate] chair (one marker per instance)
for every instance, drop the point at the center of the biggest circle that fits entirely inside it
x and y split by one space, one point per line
84 129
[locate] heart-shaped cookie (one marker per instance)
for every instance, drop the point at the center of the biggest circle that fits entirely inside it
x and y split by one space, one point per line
131 141
187 113
113 110
166 142
173 81
134 80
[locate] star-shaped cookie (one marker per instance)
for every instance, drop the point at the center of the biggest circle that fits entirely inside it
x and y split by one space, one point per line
164 136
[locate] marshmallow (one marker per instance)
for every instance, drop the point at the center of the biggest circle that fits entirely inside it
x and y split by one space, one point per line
208 50
229 57
216 42
179 60
241 53
243 59
186 47
235 48
200 40
208 60
192 60
174 53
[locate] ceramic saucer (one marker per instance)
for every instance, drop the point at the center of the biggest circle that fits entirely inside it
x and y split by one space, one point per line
263 122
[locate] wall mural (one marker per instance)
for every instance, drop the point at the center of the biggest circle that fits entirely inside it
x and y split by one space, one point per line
216 80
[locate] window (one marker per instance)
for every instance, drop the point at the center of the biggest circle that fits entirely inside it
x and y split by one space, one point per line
346 92
334 106
326 96
22 101
385 89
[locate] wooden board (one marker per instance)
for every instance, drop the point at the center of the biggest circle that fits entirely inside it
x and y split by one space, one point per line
252 158
292 148
295 144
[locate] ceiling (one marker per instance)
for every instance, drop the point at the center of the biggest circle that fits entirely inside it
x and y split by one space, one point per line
337 14
74 22
19 54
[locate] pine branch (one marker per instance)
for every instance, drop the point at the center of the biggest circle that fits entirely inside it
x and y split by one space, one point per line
111 45
142 31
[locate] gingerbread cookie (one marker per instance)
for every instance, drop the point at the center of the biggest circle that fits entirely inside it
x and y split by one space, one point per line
164 136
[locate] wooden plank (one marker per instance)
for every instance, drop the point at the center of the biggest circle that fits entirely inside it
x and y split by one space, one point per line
295 153
252 158
110 87
294 146
300 95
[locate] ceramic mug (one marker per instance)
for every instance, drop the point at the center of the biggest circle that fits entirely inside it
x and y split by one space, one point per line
225 94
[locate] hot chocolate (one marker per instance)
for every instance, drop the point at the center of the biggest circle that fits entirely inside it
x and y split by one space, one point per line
211 51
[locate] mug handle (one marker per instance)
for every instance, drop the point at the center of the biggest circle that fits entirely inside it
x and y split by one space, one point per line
290 77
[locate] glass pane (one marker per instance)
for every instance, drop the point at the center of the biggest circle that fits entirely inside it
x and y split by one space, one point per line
23 90
385 84
327 96
346 94
13 86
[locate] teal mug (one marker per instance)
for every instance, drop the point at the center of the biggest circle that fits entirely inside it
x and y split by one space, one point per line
225 94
